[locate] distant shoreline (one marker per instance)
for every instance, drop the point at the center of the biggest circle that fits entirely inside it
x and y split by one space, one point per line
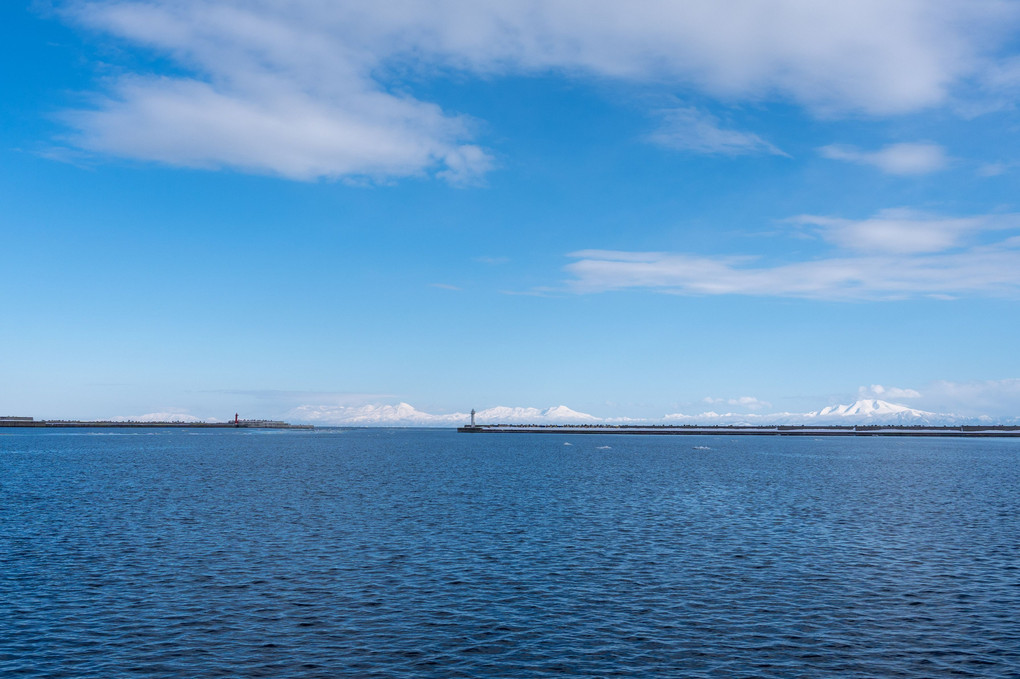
28 422
970 431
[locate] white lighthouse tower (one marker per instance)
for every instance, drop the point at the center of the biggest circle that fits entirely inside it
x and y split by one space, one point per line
472 417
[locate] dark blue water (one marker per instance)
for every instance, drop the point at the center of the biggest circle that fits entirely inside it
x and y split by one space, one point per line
402 553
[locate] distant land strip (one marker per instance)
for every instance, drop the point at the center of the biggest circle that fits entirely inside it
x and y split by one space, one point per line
239 424
722 430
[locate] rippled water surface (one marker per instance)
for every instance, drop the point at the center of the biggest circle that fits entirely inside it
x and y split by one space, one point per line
403 553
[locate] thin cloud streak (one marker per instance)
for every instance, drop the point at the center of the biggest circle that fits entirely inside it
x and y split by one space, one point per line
879 391
688 129
749 402
898 159
292 397
993 271
899 261
904 231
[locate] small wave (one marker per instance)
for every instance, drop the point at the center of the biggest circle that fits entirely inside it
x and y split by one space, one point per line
702 448
123 433
604 448
568 444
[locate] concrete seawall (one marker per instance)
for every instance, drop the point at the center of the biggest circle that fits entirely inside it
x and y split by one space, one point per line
26 422
786 430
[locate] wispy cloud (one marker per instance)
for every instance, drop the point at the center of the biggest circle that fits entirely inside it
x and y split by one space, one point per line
889 258
280 399
986 400
998 399
749 402
905 231
879 391
995 169
306 89
998 84
982 271
901 159
689 129
445 286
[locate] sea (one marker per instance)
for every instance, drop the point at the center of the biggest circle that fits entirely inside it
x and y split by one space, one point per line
428 553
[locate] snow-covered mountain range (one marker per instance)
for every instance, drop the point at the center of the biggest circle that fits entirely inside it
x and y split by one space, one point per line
875 410
406 415
866 411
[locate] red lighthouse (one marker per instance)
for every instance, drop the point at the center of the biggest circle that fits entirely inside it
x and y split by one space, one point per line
235 420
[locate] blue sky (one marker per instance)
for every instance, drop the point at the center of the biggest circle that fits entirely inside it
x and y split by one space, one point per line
633 209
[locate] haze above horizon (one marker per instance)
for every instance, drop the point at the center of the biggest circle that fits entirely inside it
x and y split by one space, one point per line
309 210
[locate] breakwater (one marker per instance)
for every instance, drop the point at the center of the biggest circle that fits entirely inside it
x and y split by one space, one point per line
237 424
782 430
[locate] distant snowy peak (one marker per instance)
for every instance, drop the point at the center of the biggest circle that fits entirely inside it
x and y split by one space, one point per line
160 417
403 414
874 410
559 414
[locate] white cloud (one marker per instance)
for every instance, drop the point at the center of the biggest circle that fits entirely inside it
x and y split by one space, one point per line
291 134
995 169
1003 77
902 159
999 399
691 130
309 88
981 271
893 256
749 402
905 231
879 391
268 90
290 398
